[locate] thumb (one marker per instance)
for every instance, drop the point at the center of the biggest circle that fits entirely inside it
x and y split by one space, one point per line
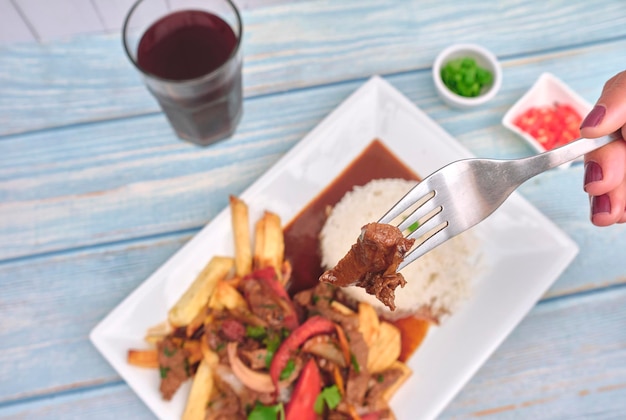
609 113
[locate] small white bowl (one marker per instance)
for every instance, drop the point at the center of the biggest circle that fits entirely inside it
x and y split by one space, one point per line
547 90
484 59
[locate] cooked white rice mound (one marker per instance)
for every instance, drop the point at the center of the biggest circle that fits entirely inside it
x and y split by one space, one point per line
436 283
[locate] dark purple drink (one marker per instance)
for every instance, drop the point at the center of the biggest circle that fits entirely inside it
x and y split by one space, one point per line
192 66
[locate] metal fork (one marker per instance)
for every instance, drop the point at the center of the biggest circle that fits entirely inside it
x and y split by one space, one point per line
465 192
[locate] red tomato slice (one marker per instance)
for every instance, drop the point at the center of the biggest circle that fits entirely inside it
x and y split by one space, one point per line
302 402
312 326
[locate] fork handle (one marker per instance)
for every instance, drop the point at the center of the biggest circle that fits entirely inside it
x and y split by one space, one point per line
534 165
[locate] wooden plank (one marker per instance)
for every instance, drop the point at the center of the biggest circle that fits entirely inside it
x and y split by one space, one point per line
565 360
13 28
529 376
289 46
49 306
54 19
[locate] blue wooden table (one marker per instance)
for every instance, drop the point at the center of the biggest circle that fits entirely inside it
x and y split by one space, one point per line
96 192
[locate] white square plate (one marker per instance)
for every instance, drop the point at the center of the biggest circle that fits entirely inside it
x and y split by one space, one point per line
503 293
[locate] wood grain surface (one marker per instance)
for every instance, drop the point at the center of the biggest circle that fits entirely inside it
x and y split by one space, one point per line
96 192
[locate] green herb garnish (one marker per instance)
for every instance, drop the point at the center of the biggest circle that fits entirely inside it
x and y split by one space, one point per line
272 342
329 396
355 363
267 412
288 370
163 371
255 332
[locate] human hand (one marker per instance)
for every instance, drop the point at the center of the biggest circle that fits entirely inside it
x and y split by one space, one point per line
605 168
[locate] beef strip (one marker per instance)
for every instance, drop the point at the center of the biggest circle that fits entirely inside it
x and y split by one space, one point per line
264 303
358 376
382 381
226 404
372 262
173 367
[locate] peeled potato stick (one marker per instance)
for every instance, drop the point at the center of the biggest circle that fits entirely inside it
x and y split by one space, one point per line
369 324
158 332
269 243
143 358
385 349
200 393
197 295
226 296
241 234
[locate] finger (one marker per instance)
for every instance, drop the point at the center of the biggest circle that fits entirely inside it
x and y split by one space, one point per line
609 208
609 113
605 168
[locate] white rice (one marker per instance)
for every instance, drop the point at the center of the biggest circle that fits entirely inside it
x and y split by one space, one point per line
437 282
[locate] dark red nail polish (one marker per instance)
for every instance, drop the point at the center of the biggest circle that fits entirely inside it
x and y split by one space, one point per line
594 117
593 172
600 204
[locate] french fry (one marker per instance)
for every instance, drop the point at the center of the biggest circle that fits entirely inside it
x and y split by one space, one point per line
369 324
143 358
406 372
158 332
341 308
197 295
226 296
269 243
241 235
385 349
200 393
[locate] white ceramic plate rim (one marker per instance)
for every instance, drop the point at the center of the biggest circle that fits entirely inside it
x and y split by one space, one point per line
503 293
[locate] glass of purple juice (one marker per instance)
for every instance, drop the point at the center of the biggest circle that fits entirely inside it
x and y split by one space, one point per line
189 54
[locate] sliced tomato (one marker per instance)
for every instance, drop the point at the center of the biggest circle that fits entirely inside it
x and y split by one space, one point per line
312 326
302 402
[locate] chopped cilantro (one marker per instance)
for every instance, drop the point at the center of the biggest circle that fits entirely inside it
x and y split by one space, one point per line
355 363
414 226
329 396
380 378
163 371
272 342
315 298
267 412
255 332
288 370
169 353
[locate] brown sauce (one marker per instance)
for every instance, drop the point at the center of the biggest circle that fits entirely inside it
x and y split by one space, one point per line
302 233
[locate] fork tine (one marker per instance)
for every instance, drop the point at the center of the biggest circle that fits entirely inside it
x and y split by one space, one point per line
423 210
438 236
414 195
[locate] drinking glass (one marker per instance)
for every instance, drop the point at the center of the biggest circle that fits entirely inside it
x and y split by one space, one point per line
190 58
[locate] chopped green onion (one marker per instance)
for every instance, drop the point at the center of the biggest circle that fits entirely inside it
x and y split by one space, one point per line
464 77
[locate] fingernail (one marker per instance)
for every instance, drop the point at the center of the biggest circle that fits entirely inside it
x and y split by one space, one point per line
593 173
594 117
600 204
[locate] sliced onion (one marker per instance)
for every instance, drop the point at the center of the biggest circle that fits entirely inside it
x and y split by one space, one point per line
257 381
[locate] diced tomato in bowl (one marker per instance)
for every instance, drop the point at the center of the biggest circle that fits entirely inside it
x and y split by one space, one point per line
548 115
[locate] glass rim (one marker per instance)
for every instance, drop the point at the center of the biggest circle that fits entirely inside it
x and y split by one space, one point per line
185 81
